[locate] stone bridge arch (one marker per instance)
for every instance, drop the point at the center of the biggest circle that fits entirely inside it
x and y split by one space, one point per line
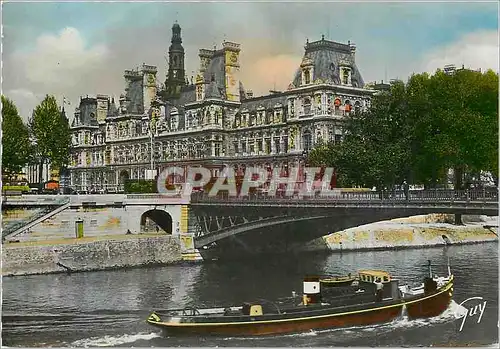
160 218
308 223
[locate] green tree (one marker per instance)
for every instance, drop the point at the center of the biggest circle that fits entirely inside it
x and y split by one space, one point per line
15 139
50 131
376 144
419 130
462 126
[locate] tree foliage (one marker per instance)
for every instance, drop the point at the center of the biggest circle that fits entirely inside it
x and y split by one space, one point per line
51 133
15 139
420 129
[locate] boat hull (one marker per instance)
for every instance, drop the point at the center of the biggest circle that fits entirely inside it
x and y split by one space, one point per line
259 329
422 306
433 306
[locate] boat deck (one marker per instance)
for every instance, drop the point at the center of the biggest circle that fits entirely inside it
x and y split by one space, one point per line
283 309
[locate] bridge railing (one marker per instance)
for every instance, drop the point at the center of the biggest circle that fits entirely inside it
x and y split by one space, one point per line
154 196
39 199
481 195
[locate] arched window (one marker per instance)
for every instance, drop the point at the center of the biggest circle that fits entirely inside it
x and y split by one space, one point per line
357 107
347 106
307 140
307 106
337 103
237 120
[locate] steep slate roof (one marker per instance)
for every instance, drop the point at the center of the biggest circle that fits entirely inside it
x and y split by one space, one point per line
112 110
188 95
326 57
87 112
215 76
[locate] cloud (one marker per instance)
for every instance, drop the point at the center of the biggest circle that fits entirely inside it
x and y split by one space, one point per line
269 72
59 64
474 50
60 60
25 101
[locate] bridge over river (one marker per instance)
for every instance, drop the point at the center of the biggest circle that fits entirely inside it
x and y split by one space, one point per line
251 220
308 218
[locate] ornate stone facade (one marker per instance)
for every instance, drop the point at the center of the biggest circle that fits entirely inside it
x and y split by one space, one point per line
213 121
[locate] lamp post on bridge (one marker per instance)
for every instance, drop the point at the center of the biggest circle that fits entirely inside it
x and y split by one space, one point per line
303 164
153 113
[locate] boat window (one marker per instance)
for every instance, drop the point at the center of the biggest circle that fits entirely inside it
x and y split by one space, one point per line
386 279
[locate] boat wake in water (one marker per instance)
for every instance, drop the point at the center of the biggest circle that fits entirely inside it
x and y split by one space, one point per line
111 341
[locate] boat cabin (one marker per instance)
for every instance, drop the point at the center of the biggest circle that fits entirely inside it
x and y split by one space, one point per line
372 276
252 309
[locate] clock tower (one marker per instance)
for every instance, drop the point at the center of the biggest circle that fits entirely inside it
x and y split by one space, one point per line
149 85
176 74
232 67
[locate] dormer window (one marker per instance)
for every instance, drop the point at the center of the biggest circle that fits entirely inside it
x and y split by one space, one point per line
307 76
307 68
346 76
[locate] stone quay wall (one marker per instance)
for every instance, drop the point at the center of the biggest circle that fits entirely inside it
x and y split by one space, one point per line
412 232
81 255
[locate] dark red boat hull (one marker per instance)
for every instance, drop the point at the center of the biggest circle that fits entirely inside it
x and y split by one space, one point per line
259 329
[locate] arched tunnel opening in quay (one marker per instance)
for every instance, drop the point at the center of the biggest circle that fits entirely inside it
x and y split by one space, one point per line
153 219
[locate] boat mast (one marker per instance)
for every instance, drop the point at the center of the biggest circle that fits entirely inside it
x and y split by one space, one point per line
449 270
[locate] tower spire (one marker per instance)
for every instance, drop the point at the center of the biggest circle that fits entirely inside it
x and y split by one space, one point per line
176 77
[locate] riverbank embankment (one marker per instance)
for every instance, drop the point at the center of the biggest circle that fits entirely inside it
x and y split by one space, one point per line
413 232
131 250
89 254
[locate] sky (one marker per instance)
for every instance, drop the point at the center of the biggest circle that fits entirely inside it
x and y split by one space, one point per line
73 49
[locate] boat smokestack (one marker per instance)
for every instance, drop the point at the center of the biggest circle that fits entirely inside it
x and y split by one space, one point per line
312 290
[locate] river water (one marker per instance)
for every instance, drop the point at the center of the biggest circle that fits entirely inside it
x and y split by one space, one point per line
109 308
